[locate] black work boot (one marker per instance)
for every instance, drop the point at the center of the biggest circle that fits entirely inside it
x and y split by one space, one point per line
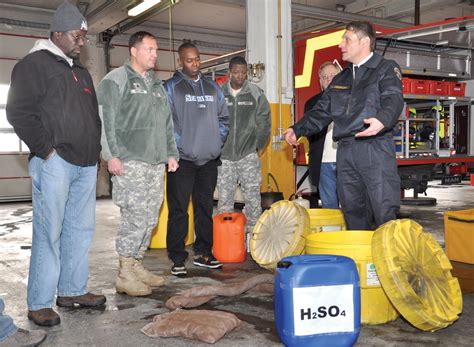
88 300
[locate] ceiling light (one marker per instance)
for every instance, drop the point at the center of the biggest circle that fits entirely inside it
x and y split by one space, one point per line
145 5
442 43
426 33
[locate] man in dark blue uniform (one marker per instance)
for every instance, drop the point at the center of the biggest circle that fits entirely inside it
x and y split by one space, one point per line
364 101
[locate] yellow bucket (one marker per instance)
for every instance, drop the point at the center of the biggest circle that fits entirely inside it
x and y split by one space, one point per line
158 237
375 305
326 219
459 235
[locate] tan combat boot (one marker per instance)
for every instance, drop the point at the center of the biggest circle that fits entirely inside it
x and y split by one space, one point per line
146 276
128 282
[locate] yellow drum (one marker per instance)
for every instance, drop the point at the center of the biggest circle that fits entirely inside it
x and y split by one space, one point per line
375 305
326 219
158 238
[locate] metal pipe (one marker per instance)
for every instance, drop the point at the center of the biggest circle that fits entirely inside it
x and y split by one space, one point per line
280 108
437 126
24 24
175 50
222 58
197 30
452 124
426 33
28 8
338 16
22 35
417 12
99 9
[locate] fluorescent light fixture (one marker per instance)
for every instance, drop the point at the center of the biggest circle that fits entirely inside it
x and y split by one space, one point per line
426 33
442 43
142 7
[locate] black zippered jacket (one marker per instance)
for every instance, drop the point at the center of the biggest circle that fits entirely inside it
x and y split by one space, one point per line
53 105
376 92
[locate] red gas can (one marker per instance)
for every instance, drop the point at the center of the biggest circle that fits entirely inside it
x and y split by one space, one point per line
229 237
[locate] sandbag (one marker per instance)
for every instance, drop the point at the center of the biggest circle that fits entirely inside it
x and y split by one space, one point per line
181 301
197 296
203 325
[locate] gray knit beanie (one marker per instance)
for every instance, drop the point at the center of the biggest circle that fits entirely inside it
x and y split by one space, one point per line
67 17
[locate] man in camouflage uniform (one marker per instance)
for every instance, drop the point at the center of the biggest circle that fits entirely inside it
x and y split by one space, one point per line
137 142
250 123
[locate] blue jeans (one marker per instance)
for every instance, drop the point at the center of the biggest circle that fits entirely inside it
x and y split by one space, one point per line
327 186
7 327
63 227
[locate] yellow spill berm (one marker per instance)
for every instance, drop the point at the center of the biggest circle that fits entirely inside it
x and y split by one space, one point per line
326 219
158 237
375 305
459 235
279 232
416 275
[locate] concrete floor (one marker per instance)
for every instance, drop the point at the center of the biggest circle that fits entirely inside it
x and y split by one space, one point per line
120 321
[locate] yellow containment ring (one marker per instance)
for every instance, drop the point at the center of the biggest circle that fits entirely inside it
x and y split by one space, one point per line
415 274
279 232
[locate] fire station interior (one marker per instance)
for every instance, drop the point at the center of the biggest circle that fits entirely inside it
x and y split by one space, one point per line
432 42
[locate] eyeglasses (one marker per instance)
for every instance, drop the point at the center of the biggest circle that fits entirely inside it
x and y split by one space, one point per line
327 77
79 38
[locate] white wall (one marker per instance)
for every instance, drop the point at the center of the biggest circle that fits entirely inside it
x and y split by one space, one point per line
16 42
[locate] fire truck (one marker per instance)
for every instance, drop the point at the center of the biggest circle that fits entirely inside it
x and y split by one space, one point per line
435 132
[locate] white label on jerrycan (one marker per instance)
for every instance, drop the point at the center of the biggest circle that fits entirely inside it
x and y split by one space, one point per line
323 309
372 278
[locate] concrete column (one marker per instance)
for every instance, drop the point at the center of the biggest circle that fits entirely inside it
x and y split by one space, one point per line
269 42
92 56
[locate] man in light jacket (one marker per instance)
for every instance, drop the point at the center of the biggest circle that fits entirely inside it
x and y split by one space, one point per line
249 131
137 143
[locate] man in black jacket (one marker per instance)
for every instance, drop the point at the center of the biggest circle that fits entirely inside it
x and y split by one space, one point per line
53 108
322 149
364 101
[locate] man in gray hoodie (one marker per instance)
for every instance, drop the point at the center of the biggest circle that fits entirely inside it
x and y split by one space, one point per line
53 108
201 124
